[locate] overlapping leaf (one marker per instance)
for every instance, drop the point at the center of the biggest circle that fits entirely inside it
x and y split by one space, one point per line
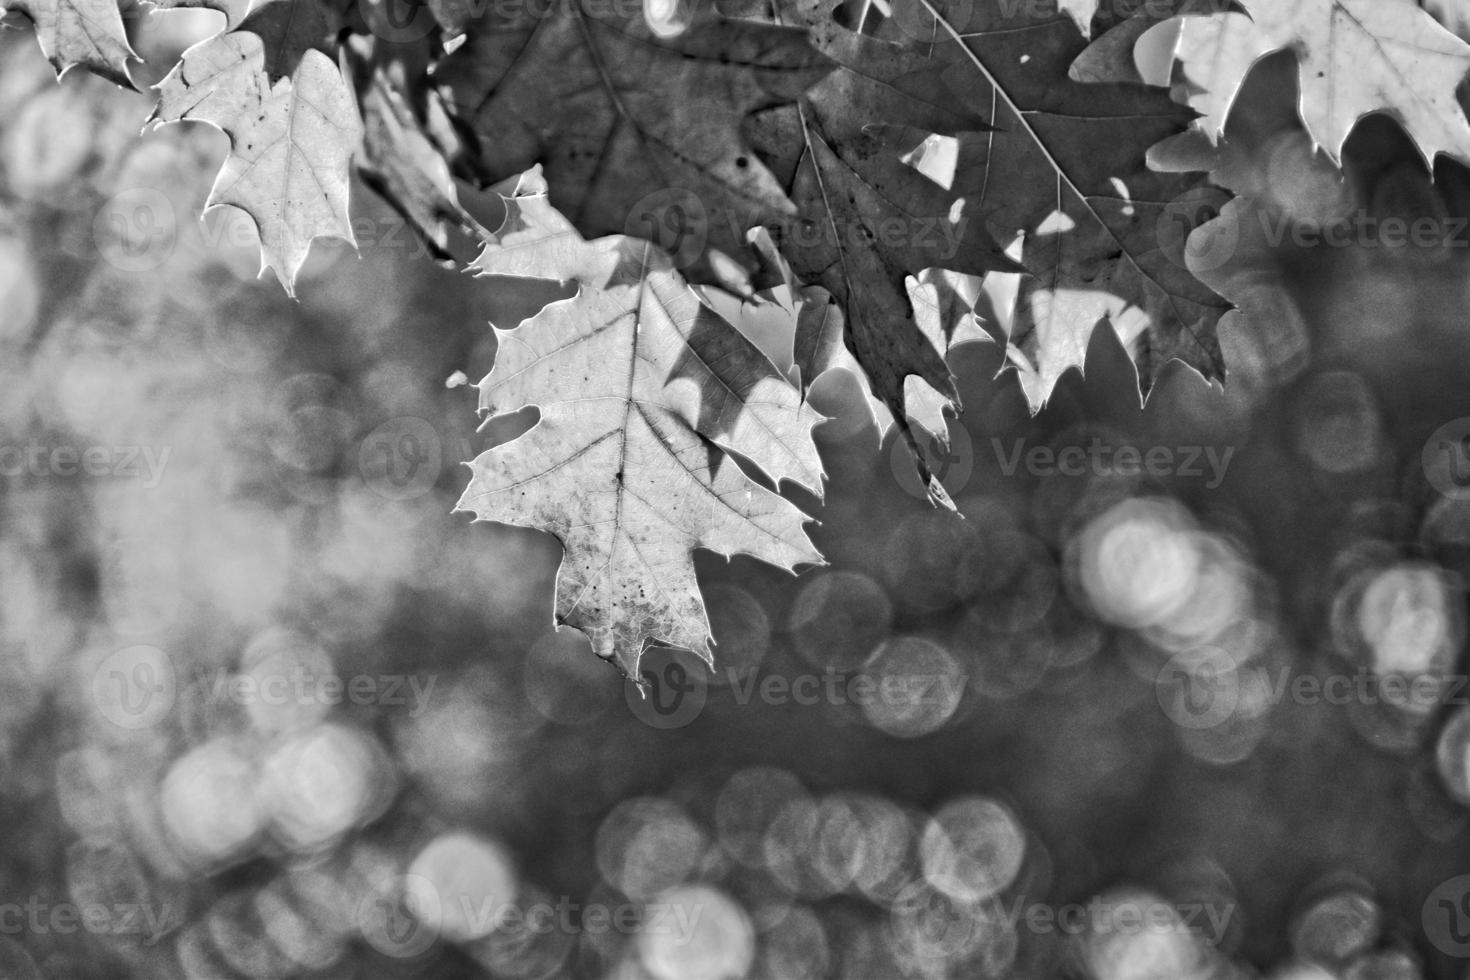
945 317
88 33
1080 11
233 10
943 313
287 30
401 163
1355 57
642 392
868 220
632 126
1112 56
1064 171
290 140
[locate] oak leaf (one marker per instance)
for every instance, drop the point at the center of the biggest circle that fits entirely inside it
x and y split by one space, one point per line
643 393
88 33
630 124
1355 57
291 140
1064 175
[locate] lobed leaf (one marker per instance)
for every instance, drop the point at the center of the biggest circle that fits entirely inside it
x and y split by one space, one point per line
620 115
643 394
88 33
290 142
1064 173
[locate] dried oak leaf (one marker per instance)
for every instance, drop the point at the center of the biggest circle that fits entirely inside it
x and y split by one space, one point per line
626 121
1064 172
868 221
290 141
1355 57
88 33
643 391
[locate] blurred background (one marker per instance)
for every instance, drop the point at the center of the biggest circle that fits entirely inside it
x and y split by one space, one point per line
1182 696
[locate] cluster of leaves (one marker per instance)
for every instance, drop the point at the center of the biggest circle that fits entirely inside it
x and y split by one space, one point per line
892 180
